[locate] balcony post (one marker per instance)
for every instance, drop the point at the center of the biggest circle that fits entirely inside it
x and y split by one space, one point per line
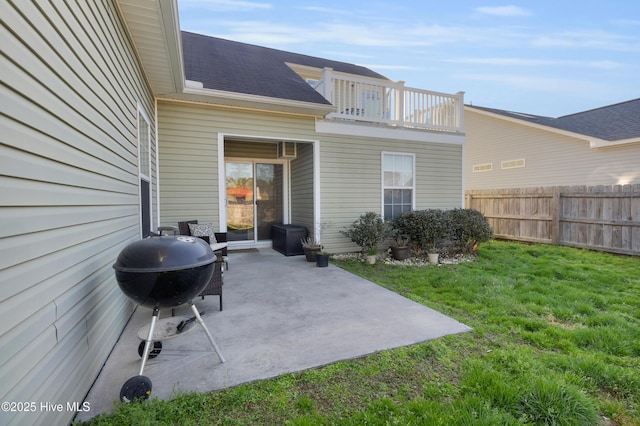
327 86
460 96
400 102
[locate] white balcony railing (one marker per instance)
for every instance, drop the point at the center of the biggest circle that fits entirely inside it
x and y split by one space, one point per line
382 101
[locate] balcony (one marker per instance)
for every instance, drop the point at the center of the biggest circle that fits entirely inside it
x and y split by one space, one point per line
382 101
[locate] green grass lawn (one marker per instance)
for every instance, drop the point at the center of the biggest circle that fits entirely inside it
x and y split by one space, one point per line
555 340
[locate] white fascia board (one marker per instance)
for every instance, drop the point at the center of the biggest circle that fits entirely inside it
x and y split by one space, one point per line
173 37
600 143
220 97
387 132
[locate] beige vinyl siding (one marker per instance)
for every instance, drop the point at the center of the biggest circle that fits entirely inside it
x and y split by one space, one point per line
350 167
242 149
302 196
188 140
550 159
68 196
351 179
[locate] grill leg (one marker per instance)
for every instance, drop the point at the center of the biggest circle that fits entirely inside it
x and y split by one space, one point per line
206 330
149 343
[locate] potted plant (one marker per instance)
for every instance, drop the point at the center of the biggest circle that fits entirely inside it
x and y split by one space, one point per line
322 259
310 247
400 249
368 232
435 230
372 256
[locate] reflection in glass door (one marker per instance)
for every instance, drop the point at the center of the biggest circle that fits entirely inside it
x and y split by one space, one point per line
240 212
268 198
254 199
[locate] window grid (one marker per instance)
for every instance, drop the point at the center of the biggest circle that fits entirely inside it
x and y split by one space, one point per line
398 183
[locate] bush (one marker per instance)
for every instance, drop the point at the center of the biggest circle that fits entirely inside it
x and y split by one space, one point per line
467 229
426 228
429 229
367 232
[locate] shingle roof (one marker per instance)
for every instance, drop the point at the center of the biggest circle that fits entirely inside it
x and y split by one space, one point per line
613 122
244 68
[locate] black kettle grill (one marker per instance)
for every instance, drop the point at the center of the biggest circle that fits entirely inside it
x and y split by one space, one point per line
163 272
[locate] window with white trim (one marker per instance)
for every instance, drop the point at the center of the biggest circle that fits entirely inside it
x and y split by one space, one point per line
486 167
144 159
512 164
398 183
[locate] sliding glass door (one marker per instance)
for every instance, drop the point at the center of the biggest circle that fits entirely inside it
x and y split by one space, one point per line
254 193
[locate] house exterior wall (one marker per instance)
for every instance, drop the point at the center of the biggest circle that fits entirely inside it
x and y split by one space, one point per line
69 197
551 159
350 167
302 188
351 179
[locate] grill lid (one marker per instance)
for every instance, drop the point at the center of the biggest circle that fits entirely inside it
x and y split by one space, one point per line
166 253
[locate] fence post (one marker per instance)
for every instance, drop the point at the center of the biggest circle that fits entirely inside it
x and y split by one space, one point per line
555 217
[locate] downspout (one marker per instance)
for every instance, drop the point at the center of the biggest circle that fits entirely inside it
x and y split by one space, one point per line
155 119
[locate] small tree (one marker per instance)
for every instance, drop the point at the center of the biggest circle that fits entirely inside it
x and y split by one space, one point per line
368 231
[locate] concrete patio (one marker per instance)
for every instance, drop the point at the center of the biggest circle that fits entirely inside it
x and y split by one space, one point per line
281 314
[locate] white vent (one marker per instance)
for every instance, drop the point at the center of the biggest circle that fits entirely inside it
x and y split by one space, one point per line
512 164
287 150
486 167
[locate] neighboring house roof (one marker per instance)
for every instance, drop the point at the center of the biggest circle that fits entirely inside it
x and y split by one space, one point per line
244 68
615 122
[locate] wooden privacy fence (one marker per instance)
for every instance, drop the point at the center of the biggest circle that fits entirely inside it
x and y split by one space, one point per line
605 218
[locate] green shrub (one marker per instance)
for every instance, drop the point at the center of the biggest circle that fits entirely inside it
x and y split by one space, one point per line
429 229
467 229
426 228
368 231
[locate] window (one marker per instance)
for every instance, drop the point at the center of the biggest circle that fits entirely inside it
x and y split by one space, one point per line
512 164
398 183
144 159
487 167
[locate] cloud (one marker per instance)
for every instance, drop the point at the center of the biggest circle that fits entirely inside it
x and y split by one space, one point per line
524 62
534 83
503 11
588 40
221 5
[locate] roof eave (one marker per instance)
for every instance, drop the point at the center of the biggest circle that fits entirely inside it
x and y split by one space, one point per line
594 143
601 143
154 30
254 102
530 124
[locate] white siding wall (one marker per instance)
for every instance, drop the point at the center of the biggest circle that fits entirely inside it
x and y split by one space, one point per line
68 196
550 159
350 176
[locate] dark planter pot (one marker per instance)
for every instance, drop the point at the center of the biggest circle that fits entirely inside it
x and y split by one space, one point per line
400 253
322 260
310 253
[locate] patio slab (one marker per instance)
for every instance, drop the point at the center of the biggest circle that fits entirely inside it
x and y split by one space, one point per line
281 314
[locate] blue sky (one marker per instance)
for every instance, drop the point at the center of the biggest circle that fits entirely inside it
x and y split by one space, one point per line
540 57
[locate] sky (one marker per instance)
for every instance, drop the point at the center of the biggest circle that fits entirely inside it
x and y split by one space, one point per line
542 57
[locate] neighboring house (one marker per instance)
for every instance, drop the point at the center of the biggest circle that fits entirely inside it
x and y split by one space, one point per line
113 122
508 149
